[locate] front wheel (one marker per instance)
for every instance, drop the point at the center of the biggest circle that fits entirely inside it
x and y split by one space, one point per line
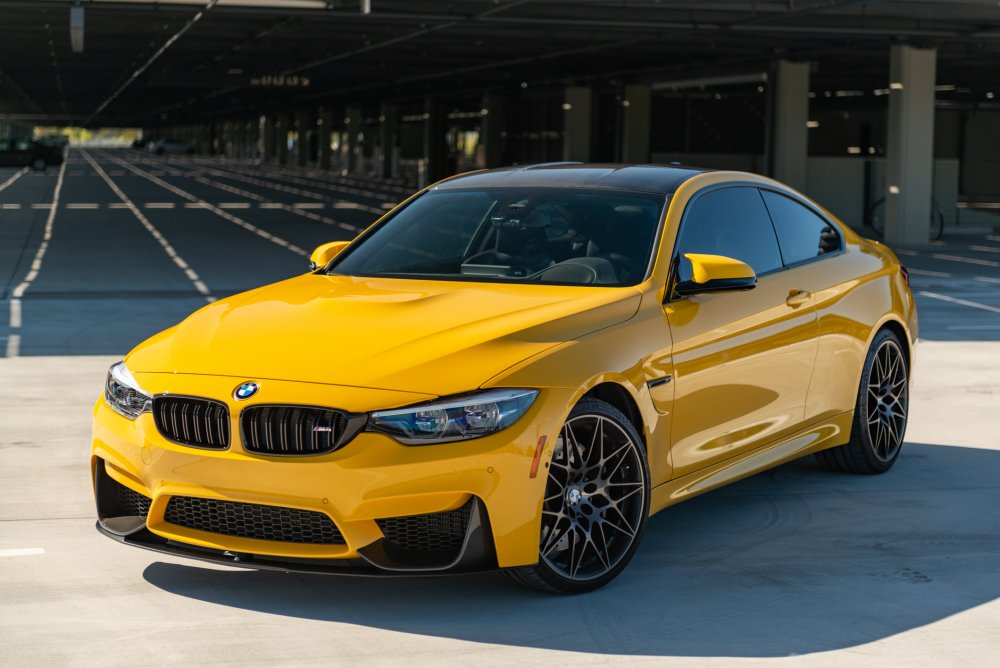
596 502
880 412
39 164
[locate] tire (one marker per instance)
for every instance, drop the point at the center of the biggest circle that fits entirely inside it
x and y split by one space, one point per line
880 413
580 495
39 164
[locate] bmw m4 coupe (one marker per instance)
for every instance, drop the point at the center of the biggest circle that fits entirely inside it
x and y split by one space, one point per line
511 371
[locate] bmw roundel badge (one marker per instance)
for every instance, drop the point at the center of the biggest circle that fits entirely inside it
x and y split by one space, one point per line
246 390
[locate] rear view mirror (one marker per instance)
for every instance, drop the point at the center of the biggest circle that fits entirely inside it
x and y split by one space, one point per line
714 273
326 252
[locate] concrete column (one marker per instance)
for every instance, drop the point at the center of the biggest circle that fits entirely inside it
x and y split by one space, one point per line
909 176
577 111
790 135
434 141
324 122
268 140
387 129
493 129
354 121
304 128
635 129
252 136
281 127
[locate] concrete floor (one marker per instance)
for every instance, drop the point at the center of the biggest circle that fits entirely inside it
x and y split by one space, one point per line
795 566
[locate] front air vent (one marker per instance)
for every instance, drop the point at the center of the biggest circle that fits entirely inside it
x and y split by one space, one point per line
296 430
429 533
253 520
199 423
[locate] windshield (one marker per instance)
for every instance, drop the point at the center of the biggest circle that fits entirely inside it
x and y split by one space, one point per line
569 236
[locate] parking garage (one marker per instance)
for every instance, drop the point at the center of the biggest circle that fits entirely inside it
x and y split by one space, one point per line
301 122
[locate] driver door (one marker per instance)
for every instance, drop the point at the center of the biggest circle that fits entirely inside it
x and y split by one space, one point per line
742 360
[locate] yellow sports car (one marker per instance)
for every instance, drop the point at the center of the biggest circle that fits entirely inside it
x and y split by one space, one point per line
511 370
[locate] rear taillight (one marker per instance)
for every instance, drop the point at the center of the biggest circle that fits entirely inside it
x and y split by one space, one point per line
906 274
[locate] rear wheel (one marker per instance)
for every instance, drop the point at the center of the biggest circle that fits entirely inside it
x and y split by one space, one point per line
596 503
880 413
39 164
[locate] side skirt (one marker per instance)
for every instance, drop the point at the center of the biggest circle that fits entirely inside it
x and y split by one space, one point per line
830 433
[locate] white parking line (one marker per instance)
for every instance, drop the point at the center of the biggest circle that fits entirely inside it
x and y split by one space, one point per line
928 272
264 234
44 205
158 205
988 279
15 177
82 205
985 249
963 302
14 340
263 202
15 314
10 205
22 551
966 260
160 239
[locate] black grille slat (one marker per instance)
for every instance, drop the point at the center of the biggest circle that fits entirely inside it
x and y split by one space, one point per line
200 423
253 520
291 430
433 532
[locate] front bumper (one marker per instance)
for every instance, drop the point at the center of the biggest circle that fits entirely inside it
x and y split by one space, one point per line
358 486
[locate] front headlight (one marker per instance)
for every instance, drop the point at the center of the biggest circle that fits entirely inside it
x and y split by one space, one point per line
123 394
455 419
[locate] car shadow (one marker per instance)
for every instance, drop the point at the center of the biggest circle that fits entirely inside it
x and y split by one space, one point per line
793 561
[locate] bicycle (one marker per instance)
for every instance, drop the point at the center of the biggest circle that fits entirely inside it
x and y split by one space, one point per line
875 219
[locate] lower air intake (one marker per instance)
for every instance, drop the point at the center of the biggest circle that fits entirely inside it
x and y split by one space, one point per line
252 520
433 532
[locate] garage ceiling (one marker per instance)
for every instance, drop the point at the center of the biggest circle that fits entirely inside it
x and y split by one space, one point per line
146 63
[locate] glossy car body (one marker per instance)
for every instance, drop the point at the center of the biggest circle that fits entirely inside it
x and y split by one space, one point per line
719 385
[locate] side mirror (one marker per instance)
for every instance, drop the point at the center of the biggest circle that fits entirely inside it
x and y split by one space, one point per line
714 273
323 254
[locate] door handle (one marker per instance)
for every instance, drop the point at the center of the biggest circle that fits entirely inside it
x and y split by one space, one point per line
797 298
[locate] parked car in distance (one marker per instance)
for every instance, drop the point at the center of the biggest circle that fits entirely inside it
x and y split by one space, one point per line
139 143
169 146
28 153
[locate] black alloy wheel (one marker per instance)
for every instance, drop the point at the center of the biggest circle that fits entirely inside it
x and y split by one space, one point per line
880 413
596 502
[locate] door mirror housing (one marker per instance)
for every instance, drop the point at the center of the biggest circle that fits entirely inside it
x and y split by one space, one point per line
326 252
715 273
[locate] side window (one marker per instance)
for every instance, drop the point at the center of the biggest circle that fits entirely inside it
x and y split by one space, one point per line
802 234
732 222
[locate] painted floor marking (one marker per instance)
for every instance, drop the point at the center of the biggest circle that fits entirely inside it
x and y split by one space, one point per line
265 203
18 174
963 302
928 272
264 234
22 551
160 239
14 339
966 260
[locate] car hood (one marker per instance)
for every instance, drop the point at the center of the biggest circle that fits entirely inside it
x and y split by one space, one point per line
432 337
